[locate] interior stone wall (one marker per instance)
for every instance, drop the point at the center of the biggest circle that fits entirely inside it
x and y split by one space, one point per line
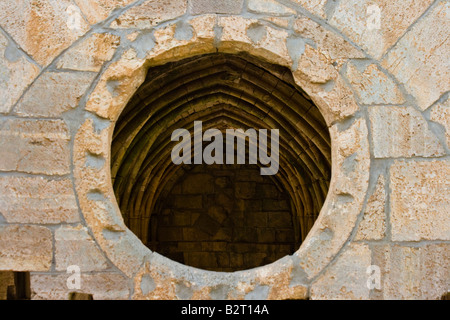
68 69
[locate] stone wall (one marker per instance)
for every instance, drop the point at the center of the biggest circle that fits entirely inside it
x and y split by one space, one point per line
68 69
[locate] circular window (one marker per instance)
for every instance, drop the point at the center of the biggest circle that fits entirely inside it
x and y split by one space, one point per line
226 214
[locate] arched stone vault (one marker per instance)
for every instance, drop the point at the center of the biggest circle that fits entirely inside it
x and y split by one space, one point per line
387 202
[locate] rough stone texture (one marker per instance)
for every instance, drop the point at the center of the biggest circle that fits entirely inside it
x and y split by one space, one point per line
43 28
98 10
373 225
440 113
38 200
38 147
150 14
412 273
316 7
91 53
54 93
218 6
353 19
373 86
16 74
74 246
420 200
346 278
402 132
420 59
103 286
25 248
270 7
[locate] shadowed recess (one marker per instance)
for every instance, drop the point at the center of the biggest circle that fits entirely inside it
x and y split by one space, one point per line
220 217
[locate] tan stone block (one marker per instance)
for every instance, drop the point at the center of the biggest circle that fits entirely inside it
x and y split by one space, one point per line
90 54
355 19
98 10
420 59
346 278
402 132
74 246
103 286
440 113
25 248
270 7
217 6
420 200
38 200
316 7
35 146
412 273
329 43
150 14
372 86
54 93
43 28
373 225
16 74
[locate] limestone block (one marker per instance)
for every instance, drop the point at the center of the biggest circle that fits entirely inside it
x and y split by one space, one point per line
357 20
25 248
420 200
402 132
412 273
90 54
150 14
37 200
330 43
218 6
54 93
270 7
373 225
372 86
440 113
74 246
346 278
98 10
43 28
16 74
420 59
316 7
35 146
103 286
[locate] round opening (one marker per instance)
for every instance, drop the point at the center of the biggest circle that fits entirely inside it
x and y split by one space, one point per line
222 215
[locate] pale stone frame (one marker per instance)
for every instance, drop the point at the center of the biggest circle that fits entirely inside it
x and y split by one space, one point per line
157 277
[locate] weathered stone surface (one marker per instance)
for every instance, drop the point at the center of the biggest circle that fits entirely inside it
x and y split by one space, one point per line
440 113
420 200
372 86
412 273
25 248
16 74
35 146
420 59
90 54
103 286
54 93
43 28
330 43
316 7
402 132
269 6
355 19
218 6
373 225
150 14
346 278
98 10
74 246
38 200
